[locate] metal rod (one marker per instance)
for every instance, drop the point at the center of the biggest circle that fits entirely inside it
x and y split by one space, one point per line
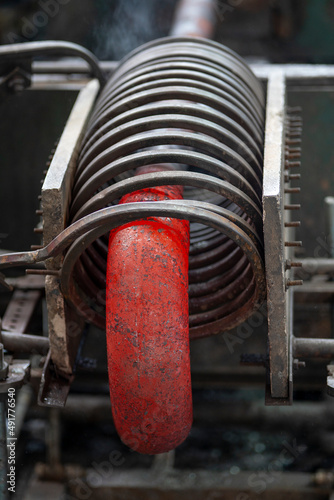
53 439
51 48
317 266
70 66
313 348
43 272
329 202
195 18
22 342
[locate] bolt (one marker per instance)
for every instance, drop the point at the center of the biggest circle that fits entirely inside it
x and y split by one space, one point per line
295 206
294 177
16 84
292 154
293 243
289 264
292 224
293 283
291 177
293 141
292 190
290 164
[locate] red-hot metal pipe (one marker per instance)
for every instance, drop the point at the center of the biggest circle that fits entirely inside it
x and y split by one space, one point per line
148 328
147 306
195 18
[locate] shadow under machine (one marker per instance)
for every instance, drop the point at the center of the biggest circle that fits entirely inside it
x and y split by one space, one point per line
169 211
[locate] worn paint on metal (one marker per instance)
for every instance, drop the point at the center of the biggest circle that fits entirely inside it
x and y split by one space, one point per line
148 328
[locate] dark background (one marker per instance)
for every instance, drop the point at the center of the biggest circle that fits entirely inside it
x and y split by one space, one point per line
277 31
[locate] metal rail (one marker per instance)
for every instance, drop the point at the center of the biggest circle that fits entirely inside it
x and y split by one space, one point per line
20 51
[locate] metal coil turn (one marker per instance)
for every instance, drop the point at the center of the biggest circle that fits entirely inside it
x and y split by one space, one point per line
195 105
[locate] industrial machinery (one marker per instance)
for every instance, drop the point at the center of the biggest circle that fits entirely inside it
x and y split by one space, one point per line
178 157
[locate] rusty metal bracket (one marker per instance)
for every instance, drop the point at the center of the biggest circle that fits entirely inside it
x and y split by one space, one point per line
273 223
17 80
54 387
55 198
278 238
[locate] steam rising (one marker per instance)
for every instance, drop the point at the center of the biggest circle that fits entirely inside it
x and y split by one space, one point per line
126 24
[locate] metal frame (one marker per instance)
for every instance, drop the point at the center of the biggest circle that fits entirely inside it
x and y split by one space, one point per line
278 78
55 198
283 347
273 229
281 343
280 334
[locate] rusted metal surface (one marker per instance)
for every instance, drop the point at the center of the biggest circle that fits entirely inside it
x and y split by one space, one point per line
55 199
171 209
201 106
154 88
195 18
84 232
209 183
278 237
56 188
278 335
54 387
20 310
64 325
